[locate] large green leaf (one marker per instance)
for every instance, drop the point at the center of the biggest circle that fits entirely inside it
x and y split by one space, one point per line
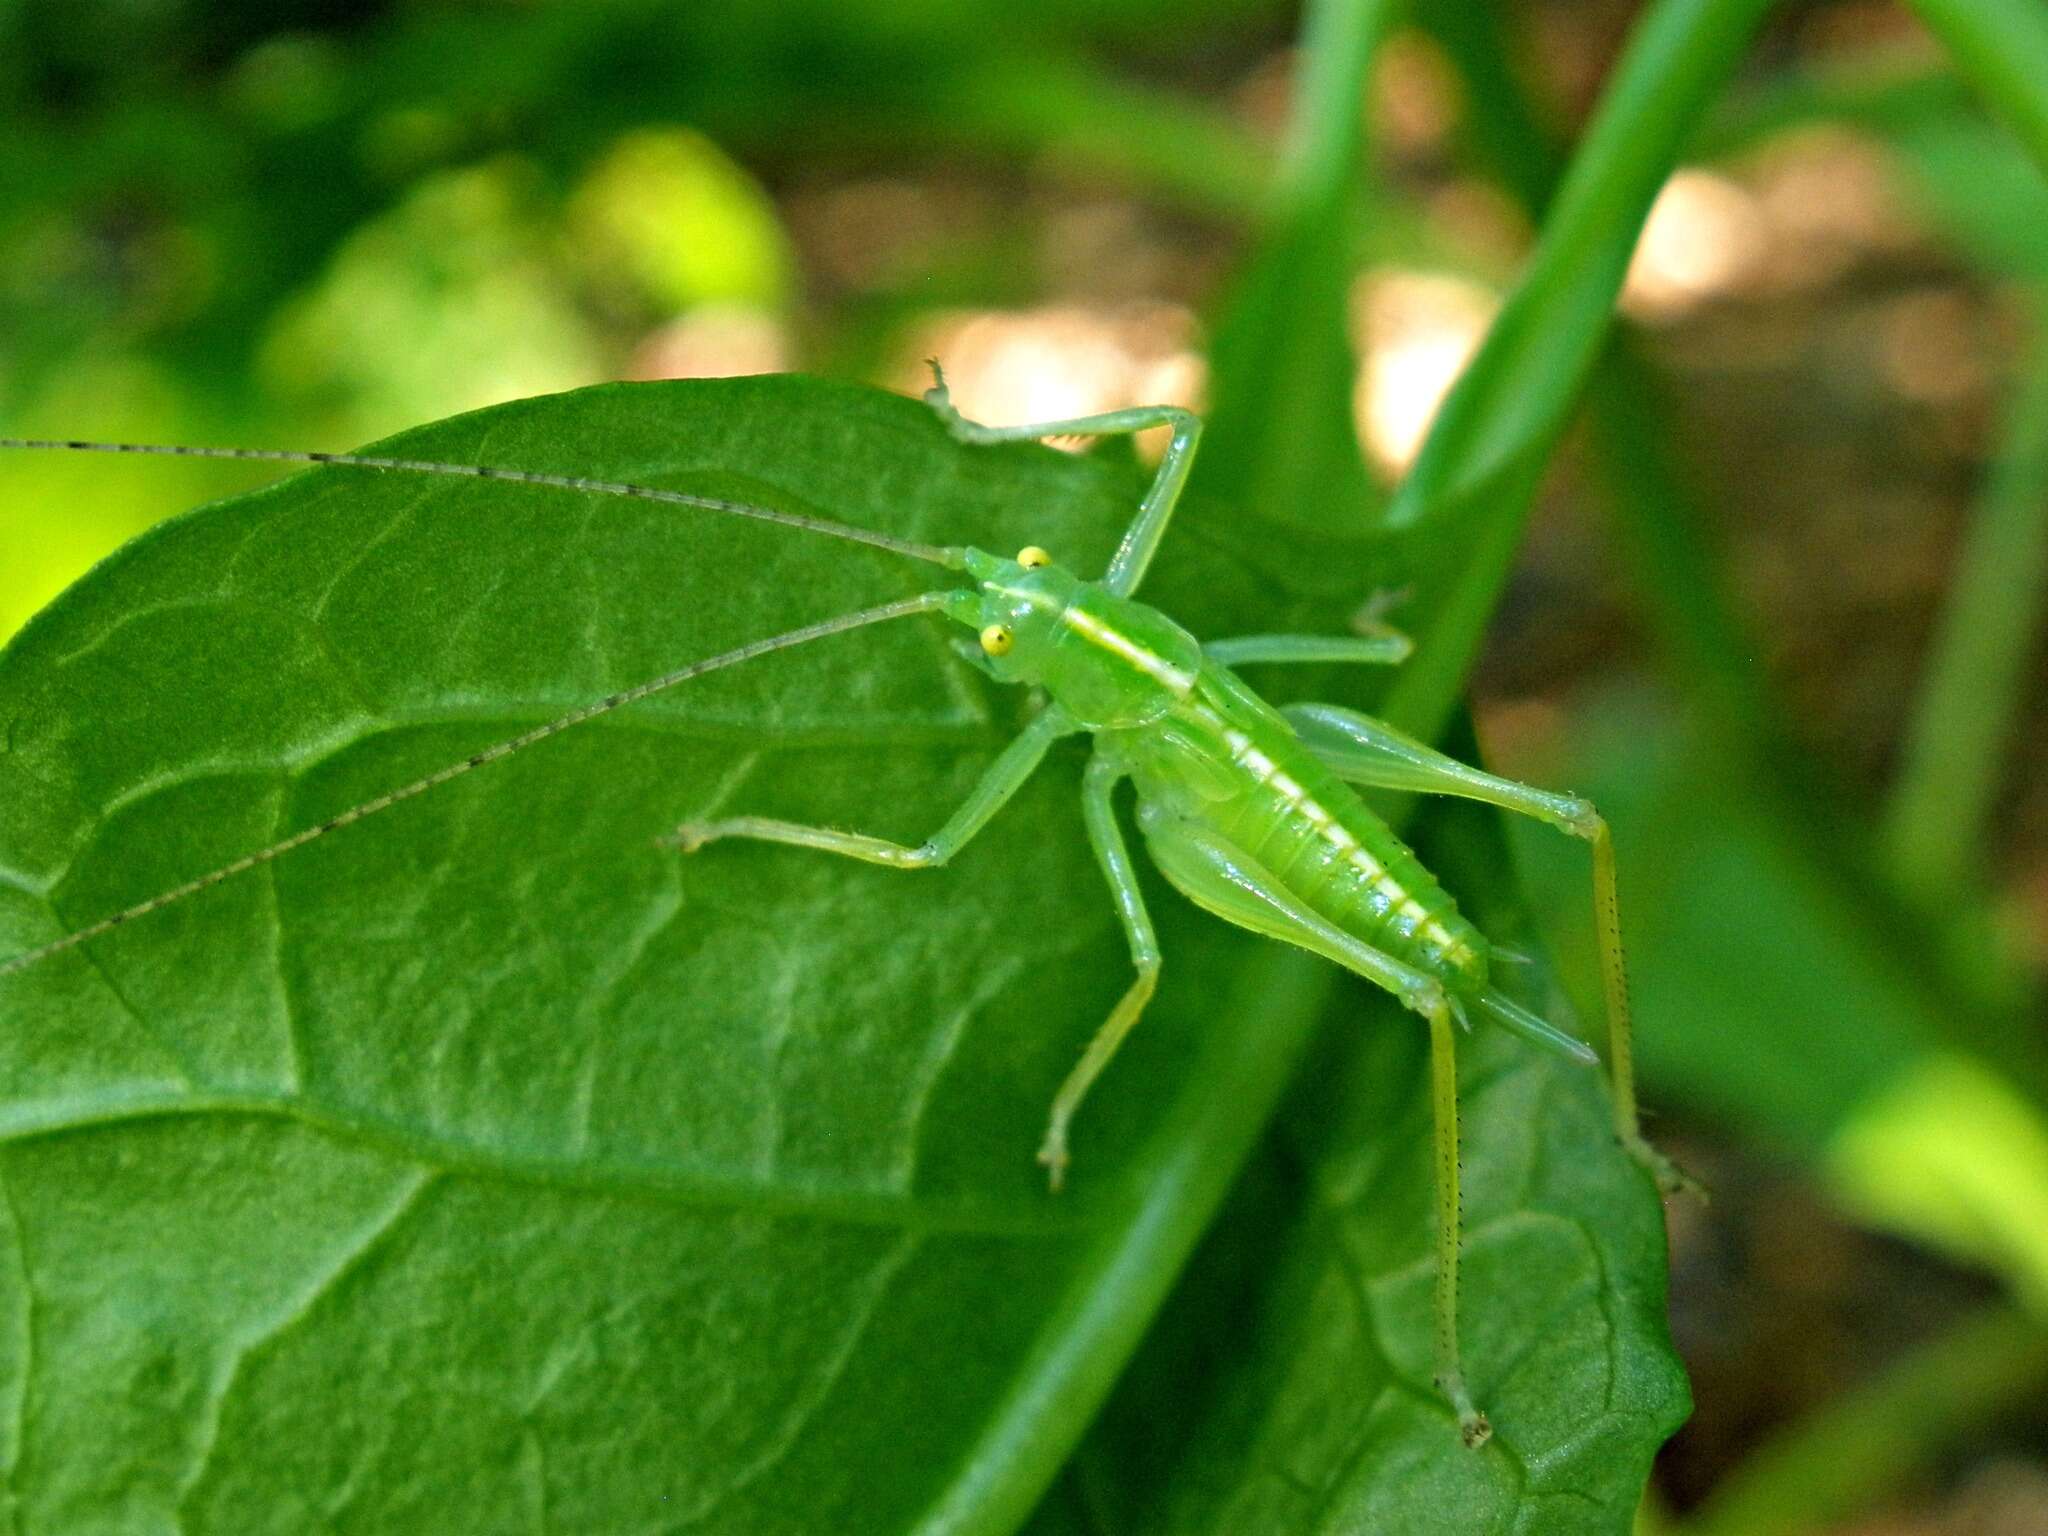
486 1167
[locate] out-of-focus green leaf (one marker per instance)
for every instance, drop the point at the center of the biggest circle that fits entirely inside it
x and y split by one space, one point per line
2001 47
1980 187
1876 92
1282 438
1949 1153
1990 637
1774 1001
1469 490
1984 191
665 221
1077 120
464 270
1764 999
1882 1435
488 1159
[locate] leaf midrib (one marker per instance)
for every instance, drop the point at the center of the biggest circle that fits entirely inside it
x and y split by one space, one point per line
611 1178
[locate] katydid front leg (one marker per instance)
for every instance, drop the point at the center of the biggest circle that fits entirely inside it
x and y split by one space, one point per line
1141 540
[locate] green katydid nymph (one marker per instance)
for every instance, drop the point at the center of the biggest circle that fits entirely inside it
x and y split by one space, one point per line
1249 811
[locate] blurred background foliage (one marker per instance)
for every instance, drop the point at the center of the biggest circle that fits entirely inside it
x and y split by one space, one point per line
1778 608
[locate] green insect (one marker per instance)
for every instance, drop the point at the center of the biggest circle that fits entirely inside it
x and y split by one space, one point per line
1247 809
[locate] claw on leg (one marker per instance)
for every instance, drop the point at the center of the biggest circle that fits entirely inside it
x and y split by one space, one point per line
1052 1155
940 399
688 837
1671 1179
1474 1428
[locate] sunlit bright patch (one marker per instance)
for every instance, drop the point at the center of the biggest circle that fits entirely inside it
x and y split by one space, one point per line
1418 330
1706 236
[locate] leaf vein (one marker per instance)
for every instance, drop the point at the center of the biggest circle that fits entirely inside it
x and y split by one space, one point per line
349 1261
17 1447
854 1206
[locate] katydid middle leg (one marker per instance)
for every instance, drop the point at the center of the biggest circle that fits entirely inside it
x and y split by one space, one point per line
1372 753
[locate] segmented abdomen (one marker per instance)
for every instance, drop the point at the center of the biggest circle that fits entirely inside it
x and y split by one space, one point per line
1310 829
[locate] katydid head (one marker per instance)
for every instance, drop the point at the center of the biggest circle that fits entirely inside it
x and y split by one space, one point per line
1110 661
1018 610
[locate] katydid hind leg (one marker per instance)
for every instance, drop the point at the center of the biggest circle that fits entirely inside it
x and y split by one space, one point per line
1473 1426
1370 752
1113 854
1141 540
1216 875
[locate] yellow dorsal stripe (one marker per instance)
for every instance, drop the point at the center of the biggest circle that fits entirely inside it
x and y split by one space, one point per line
1157 668
1398 900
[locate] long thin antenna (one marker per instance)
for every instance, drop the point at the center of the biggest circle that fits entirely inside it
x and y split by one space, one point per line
937 554
926 603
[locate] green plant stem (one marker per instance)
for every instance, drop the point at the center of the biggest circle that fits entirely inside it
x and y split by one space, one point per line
1280 435
1990 632
1326 134
1656 508
2001 46
1660 526
1875 1438
1523 385
1480 468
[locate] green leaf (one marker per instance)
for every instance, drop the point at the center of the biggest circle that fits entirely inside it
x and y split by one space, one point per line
1315 1419
485 1166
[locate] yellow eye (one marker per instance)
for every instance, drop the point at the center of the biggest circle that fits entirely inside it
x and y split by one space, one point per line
1031 557
997 640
